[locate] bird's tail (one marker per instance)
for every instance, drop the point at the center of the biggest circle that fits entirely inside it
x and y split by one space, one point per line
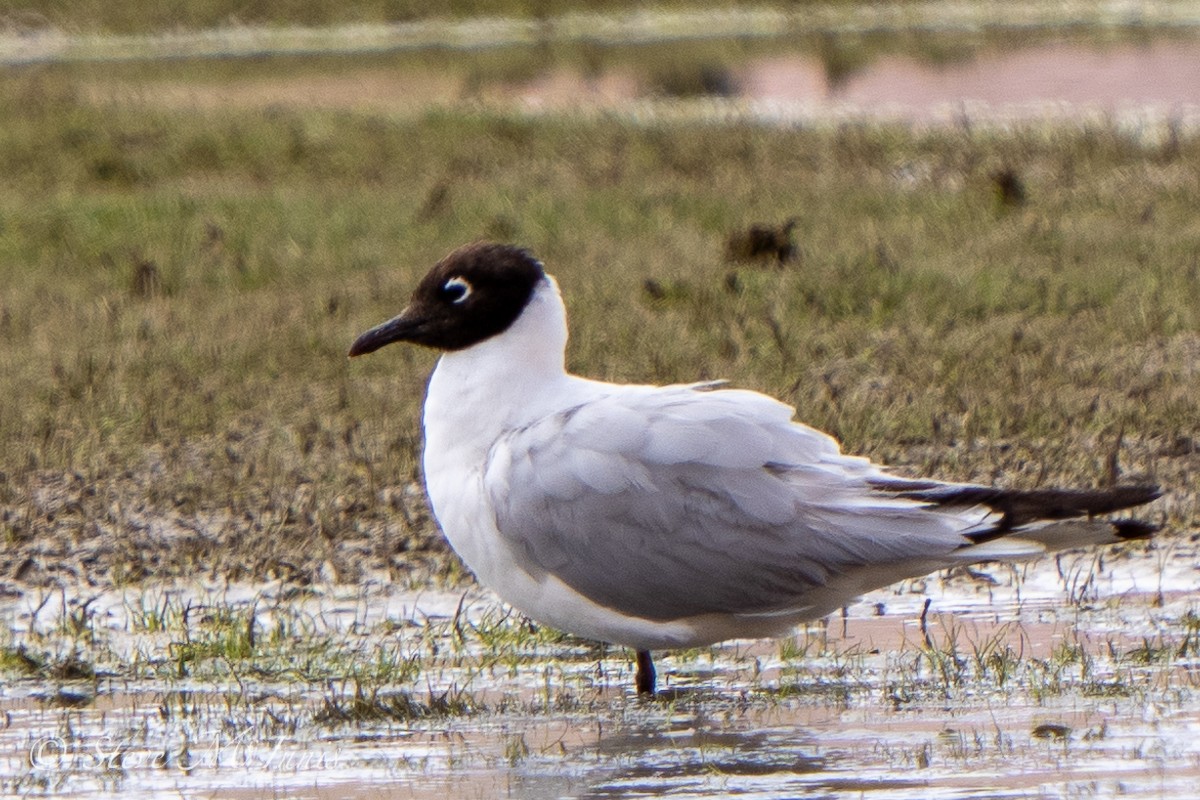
1030 522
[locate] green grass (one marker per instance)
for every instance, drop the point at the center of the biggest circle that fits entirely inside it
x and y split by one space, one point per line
180 289
130 18
375 665
334 670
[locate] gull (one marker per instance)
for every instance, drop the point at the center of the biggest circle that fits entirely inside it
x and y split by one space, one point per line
661 517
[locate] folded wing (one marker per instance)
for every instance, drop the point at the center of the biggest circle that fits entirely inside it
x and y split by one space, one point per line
667 503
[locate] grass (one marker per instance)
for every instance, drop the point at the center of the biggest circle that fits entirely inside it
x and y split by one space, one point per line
207 656
120 18
180 288
336 671
123 18
352 649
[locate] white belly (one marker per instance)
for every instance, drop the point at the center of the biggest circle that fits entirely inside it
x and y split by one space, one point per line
464 513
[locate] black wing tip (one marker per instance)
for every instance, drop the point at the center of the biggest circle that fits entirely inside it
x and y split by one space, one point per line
1145 491
1022 506
1134 529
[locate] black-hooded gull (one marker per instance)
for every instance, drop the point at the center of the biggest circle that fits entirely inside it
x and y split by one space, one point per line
662 517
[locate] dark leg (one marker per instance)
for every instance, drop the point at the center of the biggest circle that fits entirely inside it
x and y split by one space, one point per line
645 673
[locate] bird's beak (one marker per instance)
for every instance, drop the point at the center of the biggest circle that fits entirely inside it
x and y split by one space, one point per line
403 327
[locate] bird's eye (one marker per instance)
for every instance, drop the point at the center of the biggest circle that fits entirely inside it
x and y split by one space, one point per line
456 290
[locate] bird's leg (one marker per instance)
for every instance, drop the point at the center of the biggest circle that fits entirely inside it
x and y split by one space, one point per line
645 673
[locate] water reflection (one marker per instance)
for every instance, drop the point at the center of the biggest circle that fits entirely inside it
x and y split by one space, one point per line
965 752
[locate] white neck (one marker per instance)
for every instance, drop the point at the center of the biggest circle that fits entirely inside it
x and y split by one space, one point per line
500 383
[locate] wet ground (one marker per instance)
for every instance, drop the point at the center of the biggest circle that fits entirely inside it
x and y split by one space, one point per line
1070 677
942 79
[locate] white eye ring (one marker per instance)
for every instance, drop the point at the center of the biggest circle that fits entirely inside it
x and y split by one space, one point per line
456 285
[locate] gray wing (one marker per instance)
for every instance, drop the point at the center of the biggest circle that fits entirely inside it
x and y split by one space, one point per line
666 503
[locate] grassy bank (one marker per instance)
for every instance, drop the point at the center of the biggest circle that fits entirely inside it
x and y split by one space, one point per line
845 33
180 289
123 18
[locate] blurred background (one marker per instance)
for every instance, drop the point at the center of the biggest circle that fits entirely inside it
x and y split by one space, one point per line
962 237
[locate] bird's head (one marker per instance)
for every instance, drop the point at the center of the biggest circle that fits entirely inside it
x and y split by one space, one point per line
473 294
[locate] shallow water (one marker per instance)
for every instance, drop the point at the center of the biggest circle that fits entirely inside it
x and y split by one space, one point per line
710 747
855 708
